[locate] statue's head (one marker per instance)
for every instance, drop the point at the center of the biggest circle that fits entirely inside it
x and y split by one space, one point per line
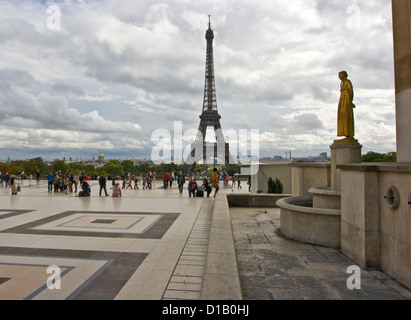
343 74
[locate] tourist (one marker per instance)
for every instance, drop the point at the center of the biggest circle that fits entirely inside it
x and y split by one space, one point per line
116 190
6 180
85 190
129 182
56 182
13 185
149 180
214 181
165 180
192 187
103 182
181 180
38 175
136 179
171 179
207 186
144 181
75 181
50 178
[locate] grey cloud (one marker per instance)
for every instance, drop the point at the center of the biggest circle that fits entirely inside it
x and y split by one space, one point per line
69 89
307 122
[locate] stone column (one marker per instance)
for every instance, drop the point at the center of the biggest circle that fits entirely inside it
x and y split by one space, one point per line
401 11
360 218
343 153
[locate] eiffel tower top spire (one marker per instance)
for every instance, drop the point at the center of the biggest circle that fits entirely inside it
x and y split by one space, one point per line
209 33
210 100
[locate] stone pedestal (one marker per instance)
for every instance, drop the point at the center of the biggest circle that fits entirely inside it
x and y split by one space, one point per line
343 153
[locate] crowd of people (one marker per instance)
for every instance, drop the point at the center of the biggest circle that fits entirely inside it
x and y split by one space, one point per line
70 182
11 181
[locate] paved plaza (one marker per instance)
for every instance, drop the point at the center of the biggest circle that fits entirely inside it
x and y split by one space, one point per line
158 245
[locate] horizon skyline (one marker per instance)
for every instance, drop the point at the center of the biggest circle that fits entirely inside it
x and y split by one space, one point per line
148 158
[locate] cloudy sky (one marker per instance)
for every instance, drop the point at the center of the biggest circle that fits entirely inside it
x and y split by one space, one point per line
82 76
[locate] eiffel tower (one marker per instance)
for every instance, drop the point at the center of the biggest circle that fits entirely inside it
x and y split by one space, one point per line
209 118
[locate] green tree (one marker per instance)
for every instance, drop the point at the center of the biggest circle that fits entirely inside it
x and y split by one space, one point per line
76 167
143 167
275 186
390 157
113 168
15 167
59 165
128 166
40 164
4 167
372 156
30 167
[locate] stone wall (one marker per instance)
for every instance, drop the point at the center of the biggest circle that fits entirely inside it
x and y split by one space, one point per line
308 175
278 170
376 217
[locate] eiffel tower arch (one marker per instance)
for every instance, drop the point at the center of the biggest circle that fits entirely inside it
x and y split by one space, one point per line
209 117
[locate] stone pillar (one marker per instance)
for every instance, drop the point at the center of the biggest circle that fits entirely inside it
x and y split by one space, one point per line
401 11
360 218
343 153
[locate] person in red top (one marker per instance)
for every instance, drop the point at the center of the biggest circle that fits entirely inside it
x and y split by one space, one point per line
165 180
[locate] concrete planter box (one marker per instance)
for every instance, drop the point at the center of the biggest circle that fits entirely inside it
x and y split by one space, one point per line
301 222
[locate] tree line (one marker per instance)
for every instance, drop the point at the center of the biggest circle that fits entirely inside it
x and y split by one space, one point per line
112 168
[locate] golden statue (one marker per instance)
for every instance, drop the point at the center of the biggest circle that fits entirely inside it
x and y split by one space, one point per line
345 119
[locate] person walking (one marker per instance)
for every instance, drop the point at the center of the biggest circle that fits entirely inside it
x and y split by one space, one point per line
165 180
103 183
13 185
171 178
6 180
181 180
214 181
75 181
129 183
144 181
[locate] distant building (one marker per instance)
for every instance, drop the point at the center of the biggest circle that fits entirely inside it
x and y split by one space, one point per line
324 155
101 157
